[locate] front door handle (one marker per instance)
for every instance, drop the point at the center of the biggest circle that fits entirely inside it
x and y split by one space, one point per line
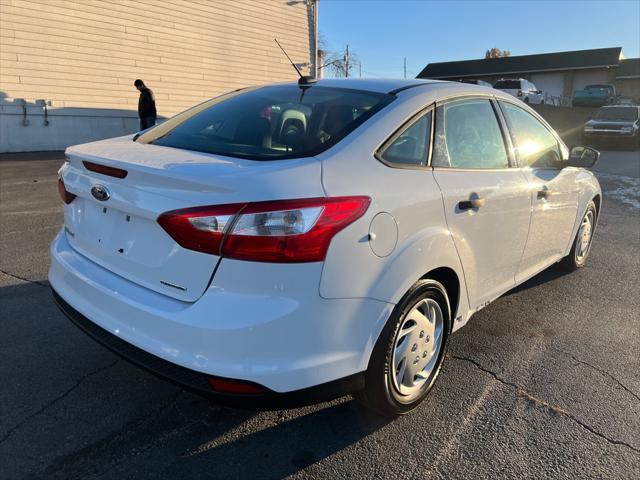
471 204
544 193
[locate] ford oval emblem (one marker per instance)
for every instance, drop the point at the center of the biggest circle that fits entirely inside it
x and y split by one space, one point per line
100 193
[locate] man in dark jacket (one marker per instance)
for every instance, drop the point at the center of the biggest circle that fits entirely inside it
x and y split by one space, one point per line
146 105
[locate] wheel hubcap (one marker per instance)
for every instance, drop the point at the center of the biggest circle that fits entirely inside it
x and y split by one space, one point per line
417 347
583 239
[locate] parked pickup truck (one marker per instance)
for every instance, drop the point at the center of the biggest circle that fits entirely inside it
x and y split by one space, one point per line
594 96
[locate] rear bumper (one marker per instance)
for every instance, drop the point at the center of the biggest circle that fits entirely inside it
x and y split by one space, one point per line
197 382
261 323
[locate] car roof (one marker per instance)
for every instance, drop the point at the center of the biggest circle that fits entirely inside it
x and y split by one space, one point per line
379 85
401 85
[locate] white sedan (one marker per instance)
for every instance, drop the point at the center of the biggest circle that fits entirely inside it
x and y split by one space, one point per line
290 243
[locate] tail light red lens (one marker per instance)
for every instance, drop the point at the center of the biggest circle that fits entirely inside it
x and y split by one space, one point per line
66 197
288 231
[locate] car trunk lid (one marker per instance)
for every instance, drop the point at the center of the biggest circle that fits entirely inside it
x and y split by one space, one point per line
113 221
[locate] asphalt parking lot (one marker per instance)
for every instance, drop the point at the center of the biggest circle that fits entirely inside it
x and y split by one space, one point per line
543 383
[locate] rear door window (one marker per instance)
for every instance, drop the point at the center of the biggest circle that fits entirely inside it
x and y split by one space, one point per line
270 123
410 147
468 135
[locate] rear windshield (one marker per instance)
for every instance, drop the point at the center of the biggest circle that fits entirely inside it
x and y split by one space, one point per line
507 84
629 114
607 88
269 123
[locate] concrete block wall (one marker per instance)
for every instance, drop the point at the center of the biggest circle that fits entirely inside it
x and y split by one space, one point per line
64 126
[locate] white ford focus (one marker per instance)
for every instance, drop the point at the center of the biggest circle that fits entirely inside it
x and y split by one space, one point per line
291 243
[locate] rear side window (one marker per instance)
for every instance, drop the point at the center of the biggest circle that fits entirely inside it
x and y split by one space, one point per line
507 85
468 135
269 123
411 147
535 145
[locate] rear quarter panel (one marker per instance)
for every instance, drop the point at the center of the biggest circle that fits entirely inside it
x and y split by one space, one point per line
411 196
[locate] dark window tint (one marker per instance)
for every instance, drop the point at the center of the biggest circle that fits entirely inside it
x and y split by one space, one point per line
469 136
507 85
607 88
412 145
535 145
269 123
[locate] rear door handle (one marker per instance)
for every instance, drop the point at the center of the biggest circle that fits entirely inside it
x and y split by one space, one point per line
470 204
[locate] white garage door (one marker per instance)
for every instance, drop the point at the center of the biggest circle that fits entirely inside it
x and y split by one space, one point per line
551 84
582 79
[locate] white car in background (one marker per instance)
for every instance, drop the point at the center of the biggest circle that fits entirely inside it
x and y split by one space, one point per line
521 89
286 244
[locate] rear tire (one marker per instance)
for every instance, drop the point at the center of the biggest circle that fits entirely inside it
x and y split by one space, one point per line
581 247
409 353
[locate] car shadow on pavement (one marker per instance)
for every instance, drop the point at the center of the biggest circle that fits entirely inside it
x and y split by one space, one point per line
288 446
550 274
84 413
189 438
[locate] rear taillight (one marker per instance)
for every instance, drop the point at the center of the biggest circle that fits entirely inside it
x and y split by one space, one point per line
519 93
66 197
277 231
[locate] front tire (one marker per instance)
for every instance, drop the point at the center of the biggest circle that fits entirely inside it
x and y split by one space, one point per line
577 257
409 353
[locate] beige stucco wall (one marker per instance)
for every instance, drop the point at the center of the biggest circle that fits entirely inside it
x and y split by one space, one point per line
83 55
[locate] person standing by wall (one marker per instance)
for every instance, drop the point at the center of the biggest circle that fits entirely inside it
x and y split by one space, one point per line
146 105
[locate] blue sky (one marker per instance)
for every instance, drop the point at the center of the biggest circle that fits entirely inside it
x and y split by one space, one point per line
382 32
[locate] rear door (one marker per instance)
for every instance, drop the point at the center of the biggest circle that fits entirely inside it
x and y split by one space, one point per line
487 203
554 190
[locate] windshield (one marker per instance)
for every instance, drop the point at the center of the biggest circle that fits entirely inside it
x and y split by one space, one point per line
629 114
269 123
507 84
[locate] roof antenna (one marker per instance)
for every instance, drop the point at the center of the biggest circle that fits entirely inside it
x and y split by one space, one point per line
304 80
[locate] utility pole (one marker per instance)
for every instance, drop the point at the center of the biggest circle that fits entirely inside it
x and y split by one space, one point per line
360 68
405 67
316 70
346 62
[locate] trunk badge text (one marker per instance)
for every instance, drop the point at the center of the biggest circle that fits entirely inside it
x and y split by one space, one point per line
100 193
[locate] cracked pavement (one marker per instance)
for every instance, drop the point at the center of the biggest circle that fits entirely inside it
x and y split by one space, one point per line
543 383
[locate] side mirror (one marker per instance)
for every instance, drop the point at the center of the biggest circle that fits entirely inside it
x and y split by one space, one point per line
583 157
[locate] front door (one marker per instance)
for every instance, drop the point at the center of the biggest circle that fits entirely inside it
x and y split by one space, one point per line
554 190
487 203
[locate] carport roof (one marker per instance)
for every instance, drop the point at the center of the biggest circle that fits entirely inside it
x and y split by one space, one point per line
544 62
629 68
